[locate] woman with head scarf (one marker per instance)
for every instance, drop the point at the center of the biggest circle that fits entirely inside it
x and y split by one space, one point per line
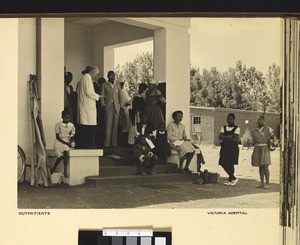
154 100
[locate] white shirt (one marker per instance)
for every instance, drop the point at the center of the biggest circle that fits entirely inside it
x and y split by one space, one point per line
237 131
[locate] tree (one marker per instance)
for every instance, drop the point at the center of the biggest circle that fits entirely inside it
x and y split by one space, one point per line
237 88
274 84
140 70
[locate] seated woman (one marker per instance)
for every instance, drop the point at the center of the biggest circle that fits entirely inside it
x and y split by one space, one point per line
179 142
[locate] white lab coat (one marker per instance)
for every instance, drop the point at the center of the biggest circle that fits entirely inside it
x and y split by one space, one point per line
87 112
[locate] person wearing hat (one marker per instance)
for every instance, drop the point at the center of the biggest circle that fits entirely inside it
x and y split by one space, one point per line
110 92
86 108
154 100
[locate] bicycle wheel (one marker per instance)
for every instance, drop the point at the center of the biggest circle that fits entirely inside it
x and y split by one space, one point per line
21 163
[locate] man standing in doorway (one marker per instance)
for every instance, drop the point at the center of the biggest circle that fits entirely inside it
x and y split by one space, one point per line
110 100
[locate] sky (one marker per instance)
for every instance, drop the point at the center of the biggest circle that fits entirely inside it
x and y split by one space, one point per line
220 42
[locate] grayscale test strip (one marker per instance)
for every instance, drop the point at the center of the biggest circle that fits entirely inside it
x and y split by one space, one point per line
124 237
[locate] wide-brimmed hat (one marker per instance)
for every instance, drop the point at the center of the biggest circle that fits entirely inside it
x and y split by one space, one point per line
153 81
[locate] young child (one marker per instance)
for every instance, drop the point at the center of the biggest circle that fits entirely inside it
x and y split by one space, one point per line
147 158
262 138
179 142
64 141
162 146
146 128
229 153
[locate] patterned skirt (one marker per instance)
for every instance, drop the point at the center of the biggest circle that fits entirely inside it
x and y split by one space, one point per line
261 156
186 147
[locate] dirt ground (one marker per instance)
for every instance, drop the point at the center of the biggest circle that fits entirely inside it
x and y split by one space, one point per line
166 195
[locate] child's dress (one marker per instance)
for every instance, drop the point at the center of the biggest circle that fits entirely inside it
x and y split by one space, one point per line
162 146
261 152
229 153
65 131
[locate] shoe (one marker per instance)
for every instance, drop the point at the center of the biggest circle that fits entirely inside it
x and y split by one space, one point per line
233 183
180 170
187 170
267 186
227 182
260 186
151 173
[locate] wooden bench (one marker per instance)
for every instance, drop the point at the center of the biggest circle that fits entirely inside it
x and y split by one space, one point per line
82 163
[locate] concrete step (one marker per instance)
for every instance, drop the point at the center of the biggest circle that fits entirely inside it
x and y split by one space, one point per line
97 181
124 161
120 151
110 171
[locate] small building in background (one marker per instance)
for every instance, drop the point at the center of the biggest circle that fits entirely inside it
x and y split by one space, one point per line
207 122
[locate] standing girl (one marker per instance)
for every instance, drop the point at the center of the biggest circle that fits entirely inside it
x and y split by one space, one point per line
229 153
64 141
262 138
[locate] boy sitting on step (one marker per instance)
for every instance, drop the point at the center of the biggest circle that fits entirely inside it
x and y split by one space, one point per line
147 158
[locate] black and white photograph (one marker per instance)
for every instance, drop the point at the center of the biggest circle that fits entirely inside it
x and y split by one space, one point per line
149 112
169 117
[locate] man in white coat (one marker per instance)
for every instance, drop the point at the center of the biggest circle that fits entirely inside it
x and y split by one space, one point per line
87 112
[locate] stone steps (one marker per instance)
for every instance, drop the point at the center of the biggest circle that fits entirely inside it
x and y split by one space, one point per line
98 181
110 171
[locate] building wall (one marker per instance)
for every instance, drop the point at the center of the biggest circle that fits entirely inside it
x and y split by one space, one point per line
113 33
213 119
207 123
78 50
26 66
52 72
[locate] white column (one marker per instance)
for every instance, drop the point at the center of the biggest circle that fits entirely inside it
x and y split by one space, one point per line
108 60
26 66
52 73
172 65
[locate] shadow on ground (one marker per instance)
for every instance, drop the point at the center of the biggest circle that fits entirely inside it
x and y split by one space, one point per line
136 195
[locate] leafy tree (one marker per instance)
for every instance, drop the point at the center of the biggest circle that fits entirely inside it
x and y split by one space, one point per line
237 88
274 84
140 70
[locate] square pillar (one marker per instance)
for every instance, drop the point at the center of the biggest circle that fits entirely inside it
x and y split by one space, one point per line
172 65
52 75
108 60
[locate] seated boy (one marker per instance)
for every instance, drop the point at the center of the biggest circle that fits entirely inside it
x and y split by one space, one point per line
147 158
146 128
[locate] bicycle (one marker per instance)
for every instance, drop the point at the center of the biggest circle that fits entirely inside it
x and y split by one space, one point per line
21 163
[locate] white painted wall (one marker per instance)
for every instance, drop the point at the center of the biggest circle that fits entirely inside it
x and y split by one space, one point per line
26 66
172 65
52 69
78 50
114 33
9 112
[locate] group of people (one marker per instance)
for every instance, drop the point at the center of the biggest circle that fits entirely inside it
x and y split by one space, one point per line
262 138
102 107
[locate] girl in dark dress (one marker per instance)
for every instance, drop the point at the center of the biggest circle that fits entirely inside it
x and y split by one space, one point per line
229 153
162 146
